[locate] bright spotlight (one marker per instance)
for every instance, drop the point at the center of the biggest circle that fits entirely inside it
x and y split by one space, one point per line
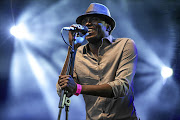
166 72
20 31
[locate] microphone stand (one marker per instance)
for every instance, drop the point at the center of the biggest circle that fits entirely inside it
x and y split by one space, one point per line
64 100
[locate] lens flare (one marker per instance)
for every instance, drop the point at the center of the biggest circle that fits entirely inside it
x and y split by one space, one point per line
166 72
20 32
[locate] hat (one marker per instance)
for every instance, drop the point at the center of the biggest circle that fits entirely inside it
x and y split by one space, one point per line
101 11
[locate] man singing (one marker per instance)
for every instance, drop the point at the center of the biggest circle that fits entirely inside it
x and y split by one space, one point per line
104 69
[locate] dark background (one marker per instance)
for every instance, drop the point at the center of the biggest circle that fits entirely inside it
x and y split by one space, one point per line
27 92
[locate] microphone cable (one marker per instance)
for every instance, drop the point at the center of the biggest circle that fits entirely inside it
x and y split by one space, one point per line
64 39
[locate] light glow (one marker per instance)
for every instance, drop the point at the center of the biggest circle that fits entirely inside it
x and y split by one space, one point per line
20 31
166 72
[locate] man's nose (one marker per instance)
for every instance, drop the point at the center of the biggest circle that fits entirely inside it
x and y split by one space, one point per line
88 23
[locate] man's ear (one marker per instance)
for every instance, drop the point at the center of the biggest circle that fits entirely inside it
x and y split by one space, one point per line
108 28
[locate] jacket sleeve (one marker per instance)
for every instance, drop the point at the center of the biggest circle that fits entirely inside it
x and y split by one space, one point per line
126 70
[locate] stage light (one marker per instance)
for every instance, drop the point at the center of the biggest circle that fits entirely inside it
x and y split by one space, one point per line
166 72
20 31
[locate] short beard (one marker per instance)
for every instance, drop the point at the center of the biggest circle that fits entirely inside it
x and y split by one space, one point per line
97 39
94 40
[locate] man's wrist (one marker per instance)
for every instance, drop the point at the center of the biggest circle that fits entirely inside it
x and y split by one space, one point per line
78 90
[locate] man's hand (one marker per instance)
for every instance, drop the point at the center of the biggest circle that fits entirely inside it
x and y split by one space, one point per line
72 33
66 82
79 38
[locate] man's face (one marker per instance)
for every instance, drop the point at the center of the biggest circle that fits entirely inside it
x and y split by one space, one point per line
96 28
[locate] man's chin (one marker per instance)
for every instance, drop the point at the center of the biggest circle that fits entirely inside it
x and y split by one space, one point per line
90 37
93 38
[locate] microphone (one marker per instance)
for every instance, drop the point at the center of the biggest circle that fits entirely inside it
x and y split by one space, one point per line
77 28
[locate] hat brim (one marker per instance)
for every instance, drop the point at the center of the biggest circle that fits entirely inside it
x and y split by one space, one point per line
107 19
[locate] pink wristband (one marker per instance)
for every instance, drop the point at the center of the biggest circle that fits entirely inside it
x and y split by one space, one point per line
78 91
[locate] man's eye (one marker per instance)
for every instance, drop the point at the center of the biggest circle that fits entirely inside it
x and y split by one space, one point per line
84 21
95 19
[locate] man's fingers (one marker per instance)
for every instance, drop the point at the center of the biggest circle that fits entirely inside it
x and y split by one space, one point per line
63 82
64 86
63 79
63 76
66 82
